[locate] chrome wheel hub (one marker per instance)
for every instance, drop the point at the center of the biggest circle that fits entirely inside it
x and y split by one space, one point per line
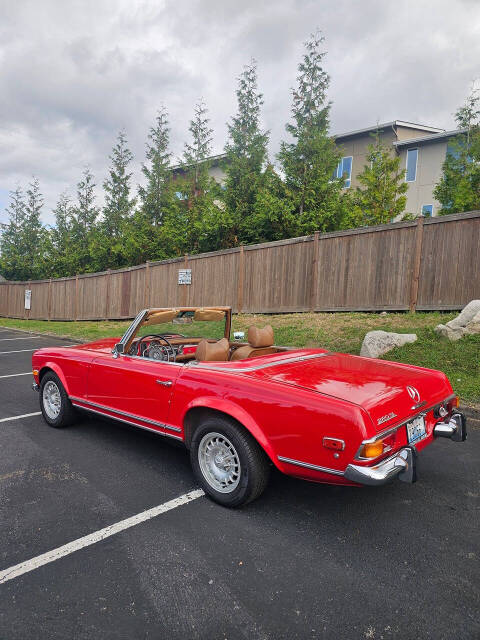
52 400
219 462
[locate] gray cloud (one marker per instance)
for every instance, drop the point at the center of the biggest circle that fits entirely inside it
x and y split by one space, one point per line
74 73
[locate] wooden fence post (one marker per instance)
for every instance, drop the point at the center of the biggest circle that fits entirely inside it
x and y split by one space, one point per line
146 288
416 264
241 279
314 273
26 313
75 307
107 294
49 303
185 286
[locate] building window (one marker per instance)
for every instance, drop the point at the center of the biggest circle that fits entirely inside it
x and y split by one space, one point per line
344 170
411 172
427 210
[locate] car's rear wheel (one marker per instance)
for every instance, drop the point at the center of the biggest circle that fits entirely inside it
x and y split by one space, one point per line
229 464
56 407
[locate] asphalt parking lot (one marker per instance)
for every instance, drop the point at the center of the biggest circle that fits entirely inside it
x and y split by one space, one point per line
303 561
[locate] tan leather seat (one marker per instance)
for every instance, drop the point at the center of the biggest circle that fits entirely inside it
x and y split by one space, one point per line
260 343
212 351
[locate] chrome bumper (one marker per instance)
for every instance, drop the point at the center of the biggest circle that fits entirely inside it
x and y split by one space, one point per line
455 428
35 386
401 465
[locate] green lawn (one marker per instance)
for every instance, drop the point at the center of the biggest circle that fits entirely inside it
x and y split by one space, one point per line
336 331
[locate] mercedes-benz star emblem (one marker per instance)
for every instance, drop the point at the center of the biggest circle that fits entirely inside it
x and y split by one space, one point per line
413 393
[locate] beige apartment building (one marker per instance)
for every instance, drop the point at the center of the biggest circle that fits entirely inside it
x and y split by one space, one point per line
422 150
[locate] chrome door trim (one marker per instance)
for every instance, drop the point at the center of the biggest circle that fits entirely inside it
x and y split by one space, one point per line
257 367
124 413
133 424
315 467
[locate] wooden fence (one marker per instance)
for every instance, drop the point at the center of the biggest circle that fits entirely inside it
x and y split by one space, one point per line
427 264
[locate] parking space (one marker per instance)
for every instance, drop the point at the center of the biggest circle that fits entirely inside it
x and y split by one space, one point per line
304 561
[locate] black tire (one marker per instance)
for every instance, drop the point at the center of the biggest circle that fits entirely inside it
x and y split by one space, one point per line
253 464
66 414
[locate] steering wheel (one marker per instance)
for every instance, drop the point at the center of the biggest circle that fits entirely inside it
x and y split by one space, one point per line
156 349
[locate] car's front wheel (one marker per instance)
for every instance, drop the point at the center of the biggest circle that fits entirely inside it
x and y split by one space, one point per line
56 407
229 464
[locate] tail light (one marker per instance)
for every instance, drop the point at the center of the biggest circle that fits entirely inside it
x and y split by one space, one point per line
376 448
373 449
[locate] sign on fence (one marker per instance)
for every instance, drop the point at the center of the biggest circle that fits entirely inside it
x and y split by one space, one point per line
28 298
184 276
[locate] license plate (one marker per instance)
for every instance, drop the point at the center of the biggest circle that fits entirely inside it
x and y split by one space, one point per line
416 429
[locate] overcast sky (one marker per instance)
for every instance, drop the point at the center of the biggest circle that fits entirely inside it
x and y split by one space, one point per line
73 73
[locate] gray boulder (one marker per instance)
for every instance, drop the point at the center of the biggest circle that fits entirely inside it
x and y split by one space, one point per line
376 343
474 325
466 322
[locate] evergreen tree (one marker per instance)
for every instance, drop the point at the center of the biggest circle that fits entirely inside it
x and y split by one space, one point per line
118 204
84 216
33 235
145 238
61 249
246 152
309 161
108 249
11 258
459 187
273 217
191 225
156 195
381 197
196 152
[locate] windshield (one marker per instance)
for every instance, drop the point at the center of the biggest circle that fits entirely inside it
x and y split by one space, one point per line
198 323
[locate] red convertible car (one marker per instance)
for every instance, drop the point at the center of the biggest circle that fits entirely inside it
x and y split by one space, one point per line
240 407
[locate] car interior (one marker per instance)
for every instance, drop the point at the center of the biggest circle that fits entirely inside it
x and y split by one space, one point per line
180 348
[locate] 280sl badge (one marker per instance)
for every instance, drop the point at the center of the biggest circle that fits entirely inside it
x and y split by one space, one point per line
389 416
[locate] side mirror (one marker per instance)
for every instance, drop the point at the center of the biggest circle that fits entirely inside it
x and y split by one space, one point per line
118 349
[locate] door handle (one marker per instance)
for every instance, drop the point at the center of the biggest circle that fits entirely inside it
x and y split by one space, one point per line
164 383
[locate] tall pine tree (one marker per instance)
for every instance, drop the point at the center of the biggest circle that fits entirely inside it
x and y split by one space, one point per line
309 161
459 187
118 204
33 235
156 194
145 240
11 258
61 250
109 248
246 151
192 224
84 216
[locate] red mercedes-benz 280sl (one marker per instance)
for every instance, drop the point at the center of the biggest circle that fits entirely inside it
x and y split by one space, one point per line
240 407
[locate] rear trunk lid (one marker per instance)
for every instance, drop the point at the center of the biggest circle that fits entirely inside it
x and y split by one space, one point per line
378 386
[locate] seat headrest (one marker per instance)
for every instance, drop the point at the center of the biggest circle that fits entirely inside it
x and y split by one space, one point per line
260 337
212 351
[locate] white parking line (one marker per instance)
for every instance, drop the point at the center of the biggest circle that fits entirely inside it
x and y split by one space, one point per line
36 348
92 538
25 415
14 375
22 338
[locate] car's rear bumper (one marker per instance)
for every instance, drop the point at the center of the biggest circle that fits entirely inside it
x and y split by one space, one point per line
455 428
402 465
